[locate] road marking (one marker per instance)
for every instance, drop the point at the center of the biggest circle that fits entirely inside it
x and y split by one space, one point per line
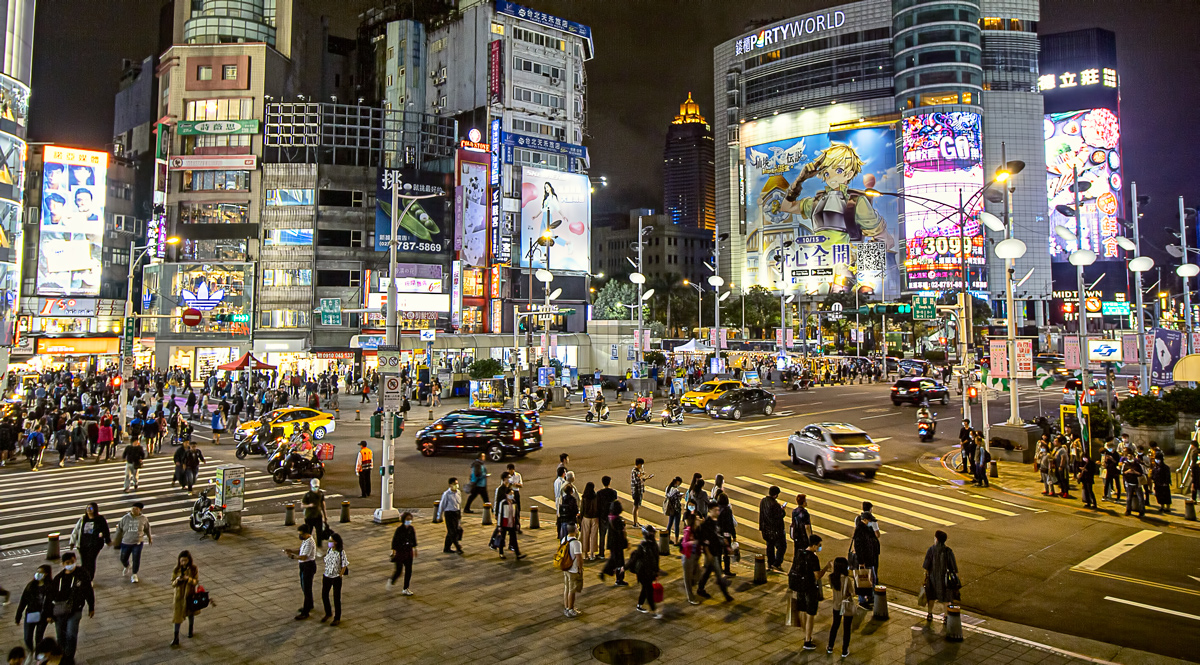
658 509
787 517
817 413
1139 582
851 497
779 438
882 415
939 497
903 479
911 472
1107 555
833 504
881 439
1144 606
742 436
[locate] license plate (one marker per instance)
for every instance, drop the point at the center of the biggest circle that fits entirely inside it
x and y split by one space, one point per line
857 456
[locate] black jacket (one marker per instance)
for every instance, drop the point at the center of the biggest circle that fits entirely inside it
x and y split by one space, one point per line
646 555
709 535
404 540
36 598
726 522
604 498
616 534
76 587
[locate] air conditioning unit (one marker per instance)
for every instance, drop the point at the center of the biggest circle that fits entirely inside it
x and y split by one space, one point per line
554 81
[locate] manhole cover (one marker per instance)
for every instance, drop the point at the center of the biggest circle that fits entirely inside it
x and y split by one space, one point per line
626 652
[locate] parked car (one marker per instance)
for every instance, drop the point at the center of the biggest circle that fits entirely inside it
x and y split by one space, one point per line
740 402
914 367
918 390
1095 387
701 395
288 418
499 433
835 447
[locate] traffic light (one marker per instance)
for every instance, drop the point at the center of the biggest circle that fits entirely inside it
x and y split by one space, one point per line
116 382
887 309
972 394
1068 308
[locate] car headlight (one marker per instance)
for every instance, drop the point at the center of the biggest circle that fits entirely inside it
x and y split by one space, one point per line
726 408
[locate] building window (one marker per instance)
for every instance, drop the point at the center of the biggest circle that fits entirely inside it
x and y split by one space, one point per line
497 29
287 277
229 72
938 98
214 213
535 158
191 143
284 318
204 73
389 80
538 129
539 68
215 181
437 45
220 109
539 39
539 98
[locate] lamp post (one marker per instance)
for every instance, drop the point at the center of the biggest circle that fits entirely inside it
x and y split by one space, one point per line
123 393
699 306
1138 265
716 281
1186 272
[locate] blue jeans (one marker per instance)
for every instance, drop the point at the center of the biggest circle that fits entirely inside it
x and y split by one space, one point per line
136 551
67 629
674 520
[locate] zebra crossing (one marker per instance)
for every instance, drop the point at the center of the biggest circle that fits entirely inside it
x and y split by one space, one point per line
34 504
903 499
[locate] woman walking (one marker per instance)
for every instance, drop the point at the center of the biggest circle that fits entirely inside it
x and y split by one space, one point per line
644 560
844 604
590 522
941 574
335 566
1160 476
89 536
617 543
404 548
673 506
36 605
184 579
506 518
689 551
218 425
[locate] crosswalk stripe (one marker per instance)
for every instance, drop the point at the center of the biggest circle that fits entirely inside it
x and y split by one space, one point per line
657 509
903 511
947 499
911 472
89 483
742 436
882 474
144 491
786 518
814 513
38 479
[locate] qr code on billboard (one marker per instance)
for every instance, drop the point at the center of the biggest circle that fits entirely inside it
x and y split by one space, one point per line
871 257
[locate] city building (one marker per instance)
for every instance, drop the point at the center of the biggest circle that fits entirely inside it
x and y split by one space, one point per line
672 251
689 193
15 73
919 102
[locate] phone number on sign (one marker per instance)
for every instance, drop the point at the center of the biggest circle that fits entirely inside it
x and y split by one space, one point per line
418 246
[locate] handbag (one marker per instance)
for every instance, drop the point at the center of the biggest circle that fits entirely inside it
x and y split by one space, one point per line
62 608
497 540
922 596
862 580
657 591
952 581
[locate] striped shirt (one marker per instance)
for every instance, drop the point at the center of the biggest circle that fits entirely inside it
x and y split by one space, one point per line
637 481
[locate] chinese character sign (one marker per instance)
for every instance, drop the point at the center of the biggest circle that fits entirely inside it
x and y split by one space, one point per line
998 353
1165 352
1087 143
423 231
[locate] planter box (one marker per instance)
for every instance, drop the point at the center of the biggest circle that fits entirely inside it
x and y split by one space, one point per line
1164 436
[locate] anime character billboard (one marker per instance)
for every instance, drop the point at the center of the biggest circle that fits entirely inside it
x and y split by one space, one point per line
811 228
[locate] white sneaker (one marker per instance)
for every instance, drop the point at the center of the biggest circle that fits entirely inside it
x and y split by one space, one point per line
133 578
406 592
658 615
389 585
125 571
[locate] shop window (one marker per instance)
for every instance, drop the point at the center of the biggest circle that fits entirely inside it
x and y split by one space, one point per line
937 98
215 181
287 277
214 213
204 73
350 278
284 318
220 109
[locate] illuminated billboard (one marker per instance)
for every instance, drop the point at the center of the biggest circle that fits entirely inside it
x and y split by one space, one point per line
423 235
562 204
943 165
1086 143
471 205
831 236
74 185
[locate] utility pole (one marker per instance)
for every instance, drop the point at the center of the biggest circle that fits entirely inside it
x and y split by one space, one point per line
1143 366
1083 331
1187 289
1014 403
640 351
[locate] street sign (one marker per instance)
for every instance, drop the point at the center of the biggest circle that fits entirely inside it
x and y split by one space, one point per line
127 332
428 335
127 367
331 311
924 308
389 359
191 317
393 395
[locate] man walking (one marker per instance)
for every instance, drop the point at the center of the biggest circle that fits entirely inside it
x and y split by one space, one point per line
192 458
315 515
801 523
73 588
133 455
967 440
714 546
604 500
362 466
637 486
770 524
1086 476
805 579
306 554
479 476
450 510
514 482
133 527
983 459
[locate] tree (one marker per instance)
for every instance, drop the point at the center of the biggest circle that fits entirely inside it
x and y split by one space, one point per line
485 368
607 307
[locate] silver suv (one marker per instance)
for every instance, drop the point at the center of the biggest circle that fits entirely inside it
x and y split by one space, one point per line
834 447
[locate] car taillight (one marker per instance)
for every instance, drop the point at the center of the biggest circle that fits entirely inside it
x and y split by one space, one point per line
1092 391
894 389
539 430
1065 391
516 435
837 449
874 446
222 507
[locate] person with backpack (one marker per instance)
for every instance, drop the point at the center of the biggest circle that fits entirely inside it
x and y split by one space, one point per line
568 509
673 506
804 579
617 543
133 455
184 579
569 559
479 476
643 563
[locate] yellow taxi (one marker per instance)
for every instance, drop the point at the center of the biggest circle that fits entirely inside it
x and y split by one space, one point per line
289 418
701 395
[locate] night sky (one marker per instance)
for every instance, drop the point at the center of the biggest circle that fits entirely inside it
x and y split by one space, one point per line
649 55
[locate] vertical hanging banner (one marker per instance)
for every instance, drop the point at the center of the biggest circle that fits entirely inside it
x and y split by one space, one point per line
1167 349
724 338
998 352
553 345
1071 355
1024 360
1149 350
1129 348
779 337
712 337
646 339
790 338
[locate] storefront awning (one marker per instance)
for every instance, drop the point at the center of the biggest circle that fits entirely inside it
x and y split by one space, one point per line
247 361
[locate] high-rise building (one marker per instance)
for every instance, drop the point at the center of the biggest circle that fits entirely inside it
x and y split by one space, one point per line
689 193
17 40
919 102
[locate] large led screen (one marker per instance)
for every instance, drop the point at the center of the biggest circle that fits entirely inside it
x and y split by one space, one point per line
830 236
74 183
423 234
472 205
1086 143
561 203
943 165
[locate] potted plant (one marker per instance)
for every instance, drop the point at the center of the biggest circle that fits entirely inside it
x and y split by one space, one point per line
1148 419
1186 402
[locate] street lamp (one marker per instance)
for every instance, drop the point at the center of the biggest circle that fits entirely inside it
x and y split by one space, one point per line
699 306
1079 258
133 261
716 281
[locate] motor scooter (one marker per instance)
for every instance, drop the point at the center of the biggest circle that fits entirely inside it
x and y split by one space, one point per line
298 467
208 519
592 413
926 427
256 445
639 409
672 414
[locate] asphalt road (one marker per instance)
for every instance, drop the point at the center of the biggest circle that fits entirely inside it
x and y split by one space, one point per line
1019 557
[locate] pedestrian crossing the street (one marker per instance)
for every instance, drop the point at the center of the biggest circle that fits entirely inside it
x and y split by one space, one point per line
34 504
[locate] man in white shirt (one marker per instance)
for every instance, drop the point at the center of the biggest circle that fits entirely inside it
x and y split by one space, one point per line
558 485
573 576
307 556
514 479
450 510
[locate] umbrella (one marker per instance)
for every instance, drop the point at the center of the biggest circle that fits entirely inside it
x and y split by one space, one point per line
247 361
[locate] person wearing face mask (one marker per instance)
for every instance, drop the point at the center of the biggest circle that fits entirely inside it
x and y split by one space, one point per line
89 536
404 548
804 579
35 606
184 579
336 565
72 590
306 554
450 510
133 527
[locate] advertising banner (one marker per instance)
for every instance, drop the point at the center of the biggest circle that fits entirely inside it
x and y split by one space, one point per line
1166 352
1129 348
74 189
1087 142
560 205
1024 350
472 207
712 337
212 162
791 338
423 234
1071 356
779 337
998 353
830 236
943 161
724 338
496 71
14 106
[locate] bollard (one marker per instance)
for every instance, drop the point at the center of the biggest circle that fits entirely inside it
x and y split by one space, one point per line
954 632
760 569
431 412
437 518
1189 510
337 413
993 469
533 518
289 518
487 514
357 414
664 543
792 610
51 549
881 608
345 517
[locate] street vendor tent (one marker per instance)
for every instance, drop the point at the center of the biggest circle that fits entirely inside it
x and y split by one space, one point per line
247 361
692 346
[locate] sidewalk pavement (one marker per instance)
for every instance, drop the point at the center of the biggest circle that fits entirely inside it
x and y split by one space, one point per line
1022 479
480 608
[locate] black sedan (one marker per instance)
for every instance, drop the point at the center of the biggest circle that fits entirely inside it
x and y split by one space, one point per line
918 390
498 433
742 401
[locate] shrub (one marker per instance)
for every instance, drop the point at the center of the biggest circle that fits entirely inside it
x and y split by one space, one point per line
485 368
935 355
655 358
1146 411
1183 400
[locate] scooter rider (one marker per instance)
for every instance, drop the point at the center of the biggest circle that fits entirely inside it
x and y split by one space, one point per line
924 416
598 404
302 448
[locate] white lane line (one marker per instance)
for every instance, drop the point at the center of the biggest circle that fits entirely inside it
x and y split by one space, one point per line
850 497
902 479
1108 554
946 498
742 436
833 504
884 438
779 438
146 491
909 471
882 415
1153 608
658 509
